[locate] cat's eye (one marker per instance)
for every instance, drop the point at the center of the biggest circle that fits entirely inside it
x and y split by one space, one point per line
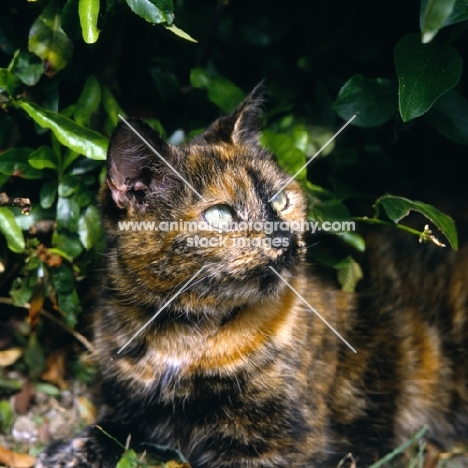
218 216
279 201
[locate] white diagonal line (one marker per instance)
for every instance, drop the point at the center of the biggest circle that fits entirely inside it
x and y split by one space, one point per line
181 290
314 156
312 309
157 153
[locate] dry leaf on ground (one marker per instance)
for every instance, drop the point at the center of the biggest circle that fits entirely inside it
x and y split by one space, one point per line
15 460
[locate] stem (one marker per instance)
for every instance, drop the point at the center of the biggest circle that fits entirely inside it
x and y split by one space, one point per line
402 227
87 344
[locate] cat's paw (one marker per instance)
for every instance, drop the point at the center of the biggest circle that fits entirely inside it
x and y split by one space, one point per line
79 452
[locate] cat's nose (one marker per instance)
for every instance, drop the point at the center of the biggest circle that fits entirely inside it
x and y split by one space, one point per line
282 240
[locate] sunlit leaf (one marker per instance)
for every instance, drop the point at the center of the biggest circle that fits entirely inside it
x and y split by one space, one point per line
7 81
354 239
129 459
68 213
48 40
153 11
289 157
10 229
89 228
349 273
76 137
425 72
88 11
178 32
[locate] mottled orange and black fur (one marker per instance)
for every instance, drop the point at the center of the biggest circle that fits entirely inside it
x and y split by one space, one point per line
237 371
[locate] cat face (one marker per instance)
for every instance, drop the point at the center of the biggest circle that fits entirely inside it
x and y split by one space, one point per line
216 207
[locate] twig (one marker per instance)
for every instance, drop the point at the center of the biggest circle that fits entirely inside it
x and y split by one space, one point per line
85 342
78 336
23 203
424 236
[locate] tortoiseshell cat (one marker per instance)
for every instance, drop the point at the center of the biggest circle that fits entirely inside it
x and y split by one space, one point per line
236 371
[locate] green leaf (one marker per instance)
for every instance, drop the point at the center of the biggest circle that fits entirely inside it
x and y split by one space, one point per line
374 101
7 416
349 273
7 81
10 229
289 157
353 239
34 356
88 102
68 186
153 11
435 16
68 213
23 289
459 13
398 207
44 157
15 162
449 115
62 278
47 389
329 211
48 193
178 32
69 305
129 460
27 68
70 21
88 11
37 214
89 228
221 91
76 137
111 106
48 40
67 242
425 72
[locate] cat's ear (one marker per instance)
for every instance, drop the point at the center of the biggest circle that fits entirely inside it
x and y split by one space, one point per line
241 127
134 160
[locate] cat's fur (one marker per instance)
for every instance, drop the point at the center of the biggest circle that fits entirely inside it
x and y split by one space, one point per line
237 371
